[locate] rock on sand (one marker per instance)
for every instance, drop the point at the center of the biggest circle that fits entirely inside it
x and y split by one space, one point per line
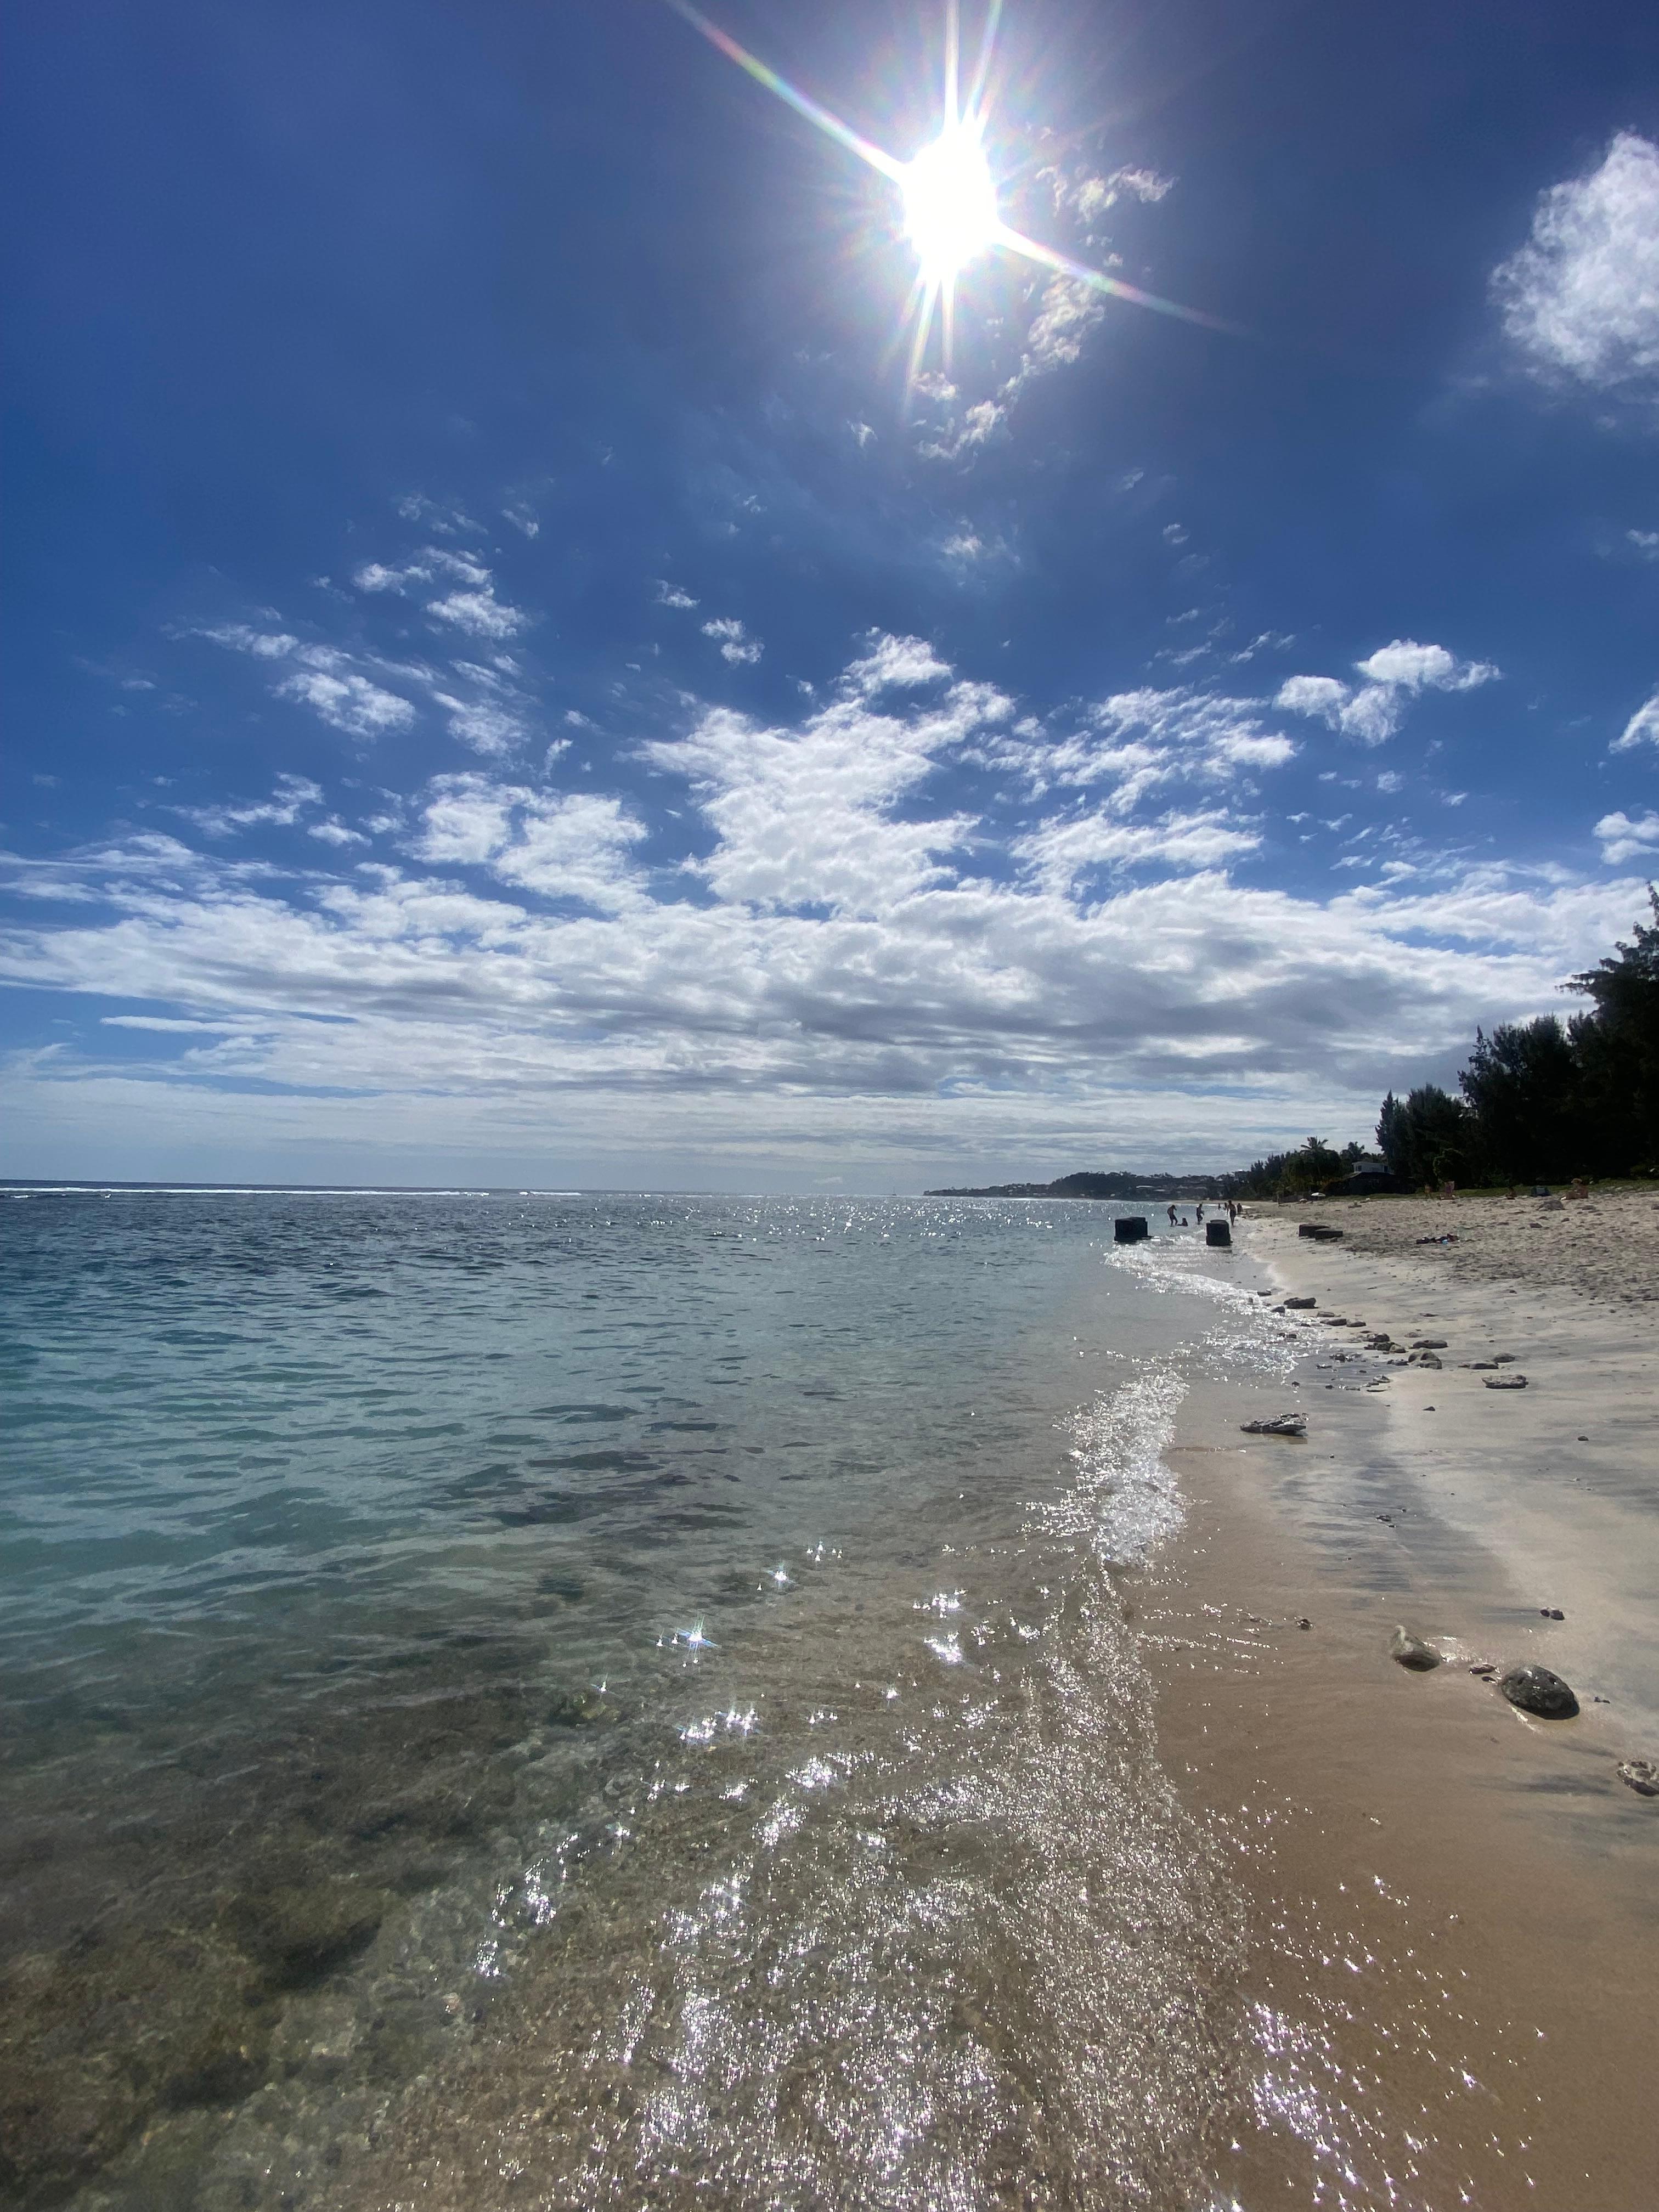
1537 1689
1407 1650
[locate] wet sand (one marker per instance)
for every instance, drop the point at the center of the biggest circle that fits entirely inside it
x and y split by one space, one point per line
1454 1934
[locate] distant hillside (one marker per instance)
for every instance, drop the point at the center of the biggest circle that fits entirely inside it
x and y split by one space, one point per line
1085 1185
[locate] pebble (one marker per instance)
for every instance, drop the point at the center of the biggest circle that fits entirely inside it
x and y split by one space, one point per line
1551 1612
1504 1382
1641 1775
1412 1652
1536 1690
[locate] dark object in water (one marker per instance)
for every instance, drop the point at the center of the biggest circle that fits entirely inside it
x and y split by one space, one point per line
1297 1305
1321 1233
1504 1382
1129 1228
1282 1424
1412 1652
1536 1690
1641 1775
1219 1233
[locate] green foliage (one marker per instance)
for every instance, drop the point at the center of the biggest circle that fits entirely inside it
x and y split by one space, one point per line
1544 1100
1429 1137
1292 1174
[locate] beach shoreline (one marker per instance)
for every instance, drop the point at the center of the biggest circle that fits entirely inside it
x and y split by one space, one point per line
1451 1901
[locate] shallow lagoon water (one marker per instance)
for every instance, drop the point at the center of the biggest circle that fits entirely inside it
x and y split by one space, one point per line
633 1696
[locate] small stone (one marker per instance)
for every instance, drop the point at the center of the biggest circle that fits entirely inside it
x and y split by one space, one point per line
1304 1622
1427 1359
1536 1690
1428 1344
1551 1612
1299 1305
1504 1382
1282 1424
1641 1775
450 2005
1412 1652
1503 1359
1485 1668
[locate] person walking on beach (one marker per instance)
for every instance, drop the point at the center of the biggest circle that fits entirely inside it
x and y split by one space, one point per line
1198 1211
1172 1216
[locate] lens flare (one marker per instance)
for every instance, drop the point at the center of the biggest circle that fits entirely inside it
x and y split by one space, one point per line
950 203
948 195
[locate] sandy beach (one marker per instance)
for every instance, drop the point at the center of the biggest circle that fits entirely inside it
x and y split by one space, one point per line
1461 1897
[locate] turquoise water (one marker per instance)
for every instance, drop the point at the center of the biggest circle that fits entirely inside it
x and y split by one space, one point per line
435 1622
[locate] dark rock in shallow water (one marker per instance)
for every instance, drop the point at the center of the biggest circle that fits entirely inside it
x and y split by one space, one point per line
1508 1381
1641 1775
1536 1690
299 1932
96 2038
1280 1424
1412 1652
1299 1305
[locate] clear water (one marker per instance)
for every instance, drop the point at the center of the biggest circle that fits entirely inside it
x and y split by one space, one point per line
630 1692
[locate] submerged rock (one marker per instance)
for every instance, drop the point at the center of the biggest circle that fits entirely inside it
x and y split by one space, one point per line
1537 1689
1412 1652
1502 1381
299 1931
1641 1775
1299 1305
96 2038
1281 1424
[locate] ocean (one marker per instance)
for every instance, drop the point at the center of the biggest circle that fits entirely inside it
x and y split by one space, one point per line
639 1696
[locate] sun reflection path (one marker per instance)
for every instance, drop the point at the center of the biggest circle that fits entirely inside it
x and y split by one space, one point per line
948 195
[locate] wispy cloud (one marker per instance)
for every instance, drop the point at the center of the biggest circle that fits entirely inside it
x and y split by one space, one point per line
1641 729
734 641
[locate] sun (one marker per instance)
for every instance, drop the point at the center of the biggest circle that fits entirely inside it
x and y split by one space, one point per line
950 204
947 196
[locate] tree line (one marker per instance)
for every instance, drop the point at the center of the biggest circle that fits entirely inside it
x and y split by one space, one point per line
1541 1101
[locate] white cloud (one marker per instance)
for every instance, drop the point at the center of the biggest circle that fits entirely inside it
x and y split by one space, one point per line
855 957
574 848
1581 299
1057 852
906 664
1069 312
1623 840
335 833
671 595
481 614
349 701
735 644
1409 666
1395 674
520 514
1136 740
1641 729
1143 184
292 795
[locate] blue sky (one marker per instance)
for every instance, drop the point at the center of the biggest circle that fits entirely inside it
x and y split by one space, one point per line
504 683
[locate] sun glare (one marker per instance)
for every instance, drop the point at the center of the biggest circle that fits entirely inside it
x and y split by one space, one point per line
950 203
947 195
